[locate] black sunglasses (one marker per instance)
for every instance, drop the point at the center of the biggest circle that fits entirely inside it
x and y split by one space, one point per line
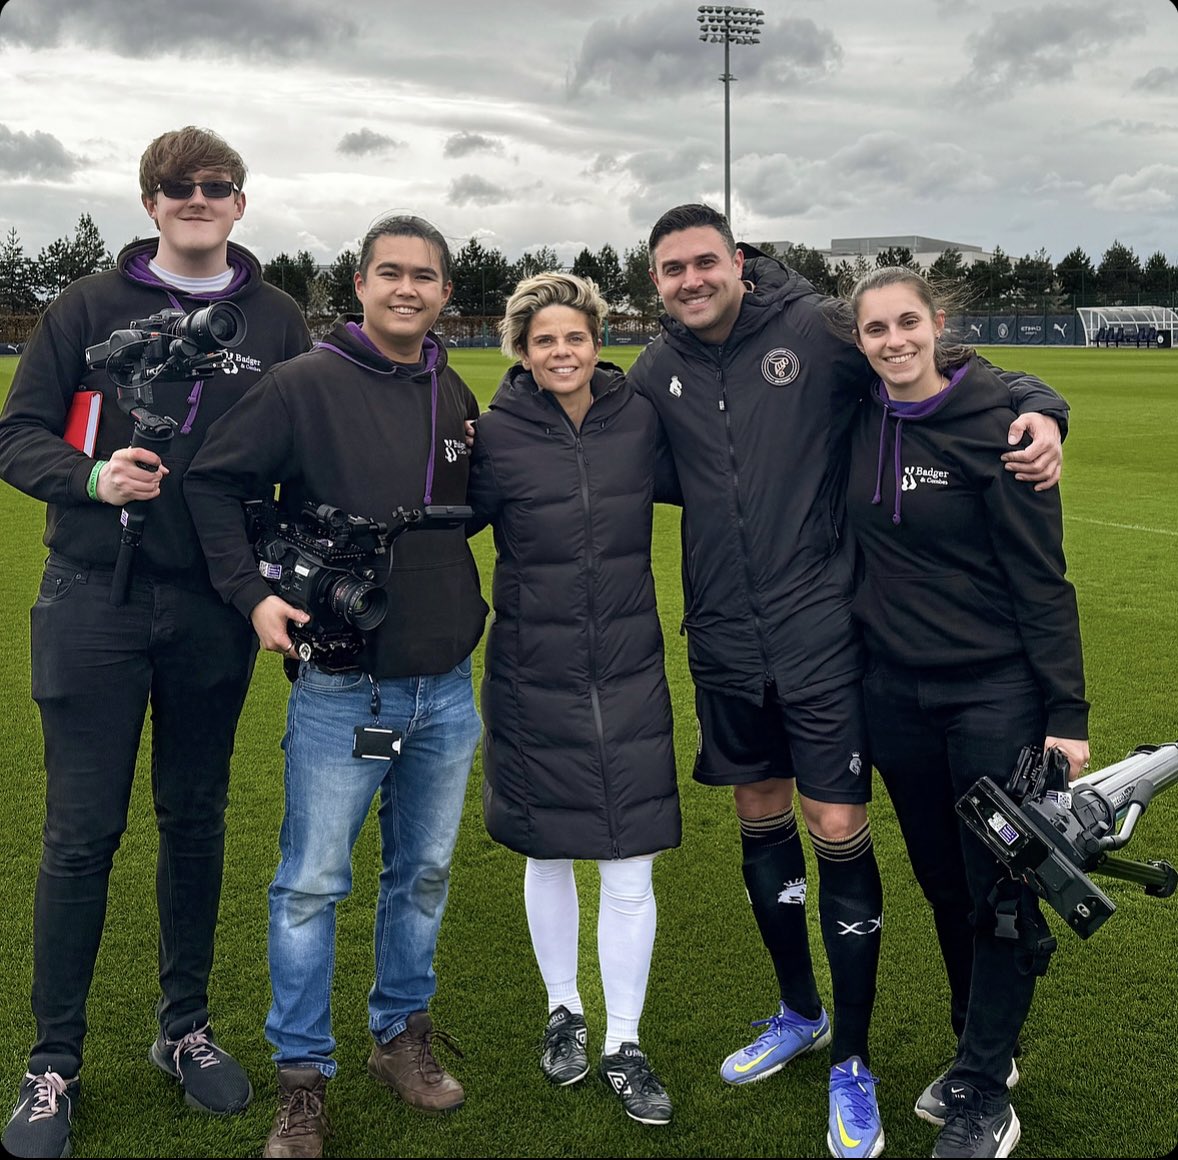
182 190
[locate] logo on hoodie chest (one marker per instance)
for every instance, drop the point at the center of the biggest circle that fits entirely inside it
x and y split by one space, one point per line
780 366
232 363
454 449
914 476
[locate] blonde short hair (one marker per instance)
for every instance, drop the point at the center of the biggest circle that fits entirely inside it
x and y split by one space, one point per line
552 288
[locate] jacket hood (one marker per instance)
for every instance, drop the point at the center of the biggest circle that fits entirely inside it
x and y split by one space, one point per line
770 287
518 394
347 340
134 257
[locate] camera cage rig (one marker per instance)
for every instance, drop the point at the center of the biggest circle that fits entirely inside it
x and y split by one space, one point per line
292 548
1053 834
169 346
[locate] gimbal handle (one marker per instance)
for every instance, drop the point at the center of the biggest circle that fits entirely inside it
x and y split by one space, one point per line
154 432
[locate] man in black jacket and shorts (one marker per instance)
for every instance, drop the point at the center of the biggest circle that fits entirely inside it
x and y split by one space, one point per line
756 395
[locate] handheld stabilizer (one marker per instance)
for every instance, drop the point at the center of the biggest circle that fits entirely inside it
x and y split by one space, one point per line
326 562
1053 834
170 346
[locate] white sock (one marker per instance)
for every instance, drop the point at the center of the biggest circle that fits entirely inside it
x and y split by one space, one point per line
625 940
550 901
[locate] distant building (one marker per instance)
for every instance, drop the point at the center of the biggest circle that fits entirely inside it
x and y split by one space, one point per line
925 251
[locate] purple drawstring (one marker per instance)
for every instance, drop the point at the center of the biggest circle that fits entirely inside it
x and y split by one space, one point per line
883 430
899 482
883 436
433 436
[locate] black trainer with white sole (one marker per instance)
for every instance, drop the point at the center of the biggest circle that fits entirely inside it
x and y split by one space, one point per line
564 1058
628 1074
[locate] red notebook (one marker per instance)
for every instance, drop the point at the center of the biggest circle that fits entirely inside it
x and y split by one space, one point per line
81 424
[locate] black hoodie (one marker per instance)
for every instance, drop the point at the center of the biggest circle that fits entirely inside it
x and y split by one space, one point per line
35 458
962 564
577 752
758 428
342 425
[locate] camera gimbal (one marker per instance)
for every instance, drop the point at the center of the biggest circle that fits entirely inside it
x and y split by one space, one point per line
170 346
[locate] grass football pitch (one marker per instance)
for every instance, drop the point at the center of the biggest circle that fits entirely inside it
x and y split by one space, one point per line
1100 1049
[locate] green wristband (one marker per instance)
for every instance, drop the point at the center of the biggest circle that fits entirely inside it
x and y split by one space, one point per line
92 482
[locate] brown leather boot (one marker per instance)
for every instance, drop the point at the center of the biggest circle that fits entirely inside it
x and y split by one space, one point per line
300 1124
407 1064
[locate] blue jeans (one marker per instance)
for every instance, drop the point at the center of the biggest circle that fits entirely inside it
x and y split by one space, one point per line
328 795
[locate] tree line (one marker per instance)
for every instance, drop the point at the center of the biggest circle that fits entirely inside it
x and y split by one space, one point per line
483 277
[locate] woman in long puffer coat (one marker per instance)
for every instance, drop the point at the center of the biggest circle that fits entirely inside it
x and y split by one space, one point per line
577 753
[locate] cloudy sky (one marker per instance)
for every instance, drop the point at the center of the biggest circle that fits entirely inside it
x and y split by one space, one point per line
1019 123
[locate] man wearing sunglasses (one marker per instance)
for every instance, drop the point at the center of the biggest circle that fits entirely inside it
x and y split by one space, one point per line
171 644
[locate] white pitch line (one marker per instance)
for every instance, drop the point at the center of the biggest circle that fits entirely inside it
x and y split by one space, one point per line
1127 527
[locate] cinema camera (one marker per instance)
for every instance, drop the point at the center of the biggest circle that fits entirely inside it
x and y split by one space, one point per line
1053 834
326 562
170 346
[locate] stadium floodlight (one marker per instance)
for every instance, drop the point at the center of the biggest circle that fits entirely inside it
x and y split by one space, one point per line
727 25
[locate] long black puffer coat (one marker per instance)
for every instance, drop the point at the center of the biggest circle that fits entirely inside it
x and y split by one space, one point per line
578 757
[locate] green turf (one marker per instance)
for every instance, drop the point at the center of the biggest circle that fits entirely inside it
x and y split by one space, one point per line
1101 1044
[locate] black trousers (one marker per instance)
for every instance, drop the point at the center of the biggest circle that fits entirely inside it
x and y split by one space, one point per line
96 669
933 734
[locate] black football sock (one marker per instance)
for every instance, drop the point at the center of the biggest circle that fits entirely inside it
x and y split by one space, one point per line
775 877
850 912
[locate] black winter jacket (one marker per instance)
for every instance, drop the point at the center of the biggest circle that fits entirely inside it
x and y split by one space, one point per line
758 428
342 425
577 754
33 455
962 564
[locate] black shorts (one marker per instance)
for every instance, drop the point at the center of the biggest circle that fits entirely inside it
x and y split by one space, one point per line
820 740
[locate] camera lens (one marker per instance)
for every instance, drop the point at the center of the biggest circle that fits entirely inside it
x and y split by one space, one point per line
212 327
359 602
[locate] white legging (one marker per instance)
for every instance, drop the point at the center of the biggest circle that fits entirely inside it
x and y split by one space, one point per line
625 937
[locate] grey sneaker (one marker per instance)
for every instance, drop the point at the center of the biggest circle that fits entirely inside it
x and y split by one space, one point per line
563 1056
931 1104
628 1074
212 1080
44 1112
974 1126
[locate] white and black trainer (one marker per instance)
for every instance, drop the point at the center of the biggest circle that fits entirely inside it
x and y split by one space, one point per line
628 1074
564 1058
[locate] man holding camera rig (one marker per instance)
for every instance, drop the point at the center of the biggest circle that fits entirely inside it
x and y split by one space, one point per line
369 421
97 665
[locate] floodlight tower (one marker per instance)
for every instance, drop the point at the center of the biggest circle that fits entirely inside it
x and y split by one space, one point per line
727 25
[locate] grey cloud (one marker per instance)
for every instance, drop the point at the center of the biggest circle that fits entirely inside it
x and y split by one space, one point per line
877 166
1152 189
1158 80
460 144
602 165
365 141
656 167
657 52
34 154
140 29
471 189
1028 46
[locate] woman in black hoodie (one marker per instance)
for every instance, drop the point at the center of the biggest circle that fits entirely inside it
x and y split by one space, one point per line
577 751
974 652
